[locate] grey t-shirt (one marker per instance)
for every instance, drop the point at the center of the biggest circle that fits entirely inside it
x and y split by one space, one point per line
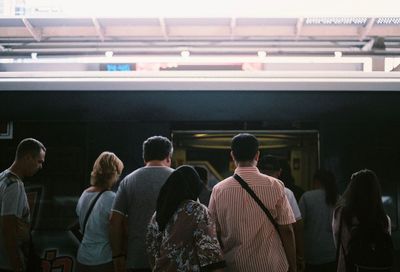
318 235
136 198
13 201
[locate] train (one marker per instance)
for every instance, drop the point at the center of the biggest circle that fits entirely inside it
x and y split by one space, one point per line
343 122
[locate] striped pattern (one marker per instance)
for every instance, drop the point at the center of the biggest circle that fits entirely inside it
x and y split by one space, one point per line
249 240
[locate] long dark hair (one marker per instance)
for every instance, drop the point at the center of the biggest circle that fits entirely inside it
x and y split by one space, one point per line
363 200
328 183
183 184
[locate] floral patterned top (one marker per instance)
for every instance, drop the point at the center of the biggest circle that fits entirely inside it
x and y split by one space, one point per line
188 243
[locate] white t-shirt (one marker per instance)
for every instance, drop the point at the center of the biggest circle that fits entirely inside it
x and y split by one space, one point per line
13 201
95 248
293 204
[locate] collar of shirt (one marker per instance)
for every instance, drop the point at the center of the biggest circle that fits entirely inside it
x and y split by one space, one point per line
249 169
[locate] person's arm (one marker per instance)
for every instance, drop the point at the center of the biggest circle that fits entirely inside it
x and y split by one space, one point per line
287 236
298 229
117 238
9 223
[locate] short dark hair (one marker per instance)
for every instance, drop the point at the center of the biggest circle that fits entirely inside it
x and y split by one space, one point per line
327 181
203 174
244 147
156 148
29 146
269 163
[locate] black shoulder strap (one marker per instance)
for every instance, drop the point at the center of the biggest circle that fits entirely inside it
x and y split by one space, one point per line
339 241
258 201
92 204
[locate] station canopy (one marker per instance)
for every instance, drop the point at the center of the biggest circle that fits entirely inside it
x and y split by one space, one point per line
159 35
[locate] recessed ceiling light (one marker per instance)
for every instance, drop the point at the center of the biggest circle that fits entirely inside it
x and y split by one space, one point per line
262 54
185 53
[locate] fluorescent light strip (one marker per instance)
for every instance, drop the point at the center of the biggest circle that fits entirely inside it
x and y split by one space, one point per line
388 21
336 21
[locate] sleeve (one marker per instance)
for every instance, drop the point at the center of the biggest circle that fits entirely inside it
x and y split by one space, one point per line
120 204
336 224
12 198
212 209
207 246
293 204
107 203
284 212
389 225
303 208
152 245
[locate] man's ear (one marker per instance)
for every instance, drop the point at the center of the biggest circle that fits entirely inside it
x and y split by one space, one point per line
257 156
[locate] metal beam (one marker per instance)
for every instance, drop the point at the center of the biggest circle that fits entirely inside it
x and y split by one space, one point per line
364 31
299 27
368 45
99 29
164 30
33 31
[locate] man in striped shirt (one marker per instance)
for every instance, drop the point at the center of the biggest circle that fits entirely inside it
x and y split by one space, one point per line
248 238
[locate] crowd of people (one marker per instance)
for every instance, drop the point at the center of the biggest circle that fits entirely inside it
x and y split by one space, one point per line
161 219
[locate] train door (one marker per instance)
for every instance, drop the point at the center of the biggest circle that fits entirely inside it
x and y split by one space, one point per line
210 149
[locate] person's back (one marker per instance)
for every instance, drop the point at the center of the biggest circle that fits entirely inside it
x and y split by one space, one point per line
136 198
181 235
317 210
249 239
142 186
93 210
318 236
358 222
250 242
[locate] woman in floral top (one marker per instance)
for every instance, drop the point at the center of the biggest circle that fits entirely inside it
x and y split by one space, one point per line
181 235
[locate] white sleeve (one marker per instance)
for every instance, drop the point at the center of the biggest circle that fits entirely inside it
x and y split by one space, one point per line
293 204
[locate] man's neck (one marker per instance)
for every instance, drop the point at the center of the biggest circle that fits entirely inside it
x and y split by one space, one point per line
246 164
157 163
17 170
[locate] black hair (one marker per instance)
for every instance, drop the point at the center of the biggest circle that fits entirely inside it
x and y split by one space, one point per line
269 163
203 174
156 148
328 183
29 146
183 184
244 147
363 200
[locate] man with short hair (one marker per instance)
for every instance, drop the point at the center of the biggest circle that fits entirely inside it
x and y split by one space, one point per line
14 207
136 200
248 238
270 165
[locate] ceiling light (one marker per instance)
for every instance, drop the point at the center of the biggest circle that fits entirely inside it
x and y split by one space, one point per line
338 54
109 54
34 55
262 54
185 53
336 21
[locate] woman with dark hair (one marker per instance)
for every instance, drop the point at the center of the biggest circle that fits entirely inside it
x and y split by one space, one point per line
181 235
317 208
361 209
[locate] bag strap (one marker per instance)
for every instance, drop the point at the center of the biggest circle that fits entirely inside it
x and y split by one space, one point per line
257 200
92 204
339 241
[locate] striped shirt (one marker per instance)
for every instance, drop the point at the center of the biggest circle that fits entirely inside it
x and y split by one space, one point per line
249 240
